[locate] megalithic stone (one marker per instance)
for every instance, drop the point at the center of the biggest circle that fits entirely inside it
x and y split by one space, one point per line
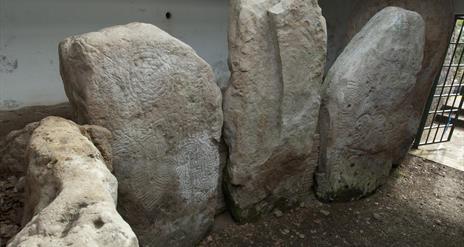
160 100
277 55
367 110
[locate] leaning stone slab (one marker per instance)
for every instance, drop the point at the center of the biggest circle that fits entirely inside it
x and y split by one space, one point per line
160 101
366 114
277 56
70 193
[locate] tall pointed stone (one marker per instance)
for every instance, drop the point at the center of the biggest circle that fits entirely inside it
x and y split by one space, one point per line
160 100
277 56
367 117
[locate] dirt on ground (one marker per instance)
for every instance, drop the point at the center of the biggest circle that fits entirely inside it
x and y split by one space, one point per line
11 206
422 205
17 119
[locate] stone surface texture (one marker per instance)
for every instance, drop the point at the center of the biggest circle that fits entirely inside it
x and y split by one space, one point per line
277 57
367 118
160 101
70 194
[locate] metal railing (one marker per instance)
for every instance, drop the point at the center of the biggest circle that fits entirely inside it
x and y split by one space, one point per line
445 101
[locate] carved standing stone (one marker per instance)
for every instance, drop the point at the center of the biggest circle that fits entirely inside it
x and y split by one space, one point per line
70 194
439 17
367 115
160 100
277 57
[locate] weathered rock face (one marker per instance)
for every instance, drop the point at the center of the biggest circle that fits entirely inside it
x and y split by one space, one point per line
366 120
161 103
277 55
71 195
101 138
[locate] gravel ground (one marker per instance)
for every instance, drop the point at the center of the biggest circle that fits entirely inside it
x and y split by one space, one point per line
11 206
422 205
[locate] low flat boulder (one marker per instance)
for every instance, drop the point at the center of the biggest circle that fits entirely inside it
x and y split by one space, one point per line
70 193
161 102
368 118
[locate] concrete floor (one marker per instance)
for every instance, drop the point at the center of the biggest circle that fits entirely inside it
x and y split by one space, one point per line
448 153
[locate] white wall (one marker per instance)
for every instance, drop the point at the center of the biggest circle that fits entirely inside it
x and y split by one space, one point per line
30 31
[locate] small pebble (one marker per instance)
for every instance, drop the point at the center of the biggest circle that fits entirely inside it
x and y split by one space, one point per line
278 213
324 212
19 187
12 179
377 216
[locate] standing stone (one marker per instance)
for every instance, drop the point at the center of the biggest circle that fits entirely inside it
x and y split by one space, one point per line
345 18
70 193
277 56
366 115
160 101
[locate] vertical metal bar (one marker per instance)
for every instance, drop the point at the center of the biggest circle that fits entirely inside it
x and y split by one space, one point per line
425 114
452 84
457 116
460 92
446 78
453 104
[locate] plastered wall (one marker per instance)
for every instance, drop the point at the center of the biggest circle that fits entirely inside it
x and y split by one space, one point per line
30 31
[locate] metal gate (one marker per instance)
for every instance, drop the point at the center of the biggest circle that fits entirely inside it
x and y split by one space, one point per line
445 103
